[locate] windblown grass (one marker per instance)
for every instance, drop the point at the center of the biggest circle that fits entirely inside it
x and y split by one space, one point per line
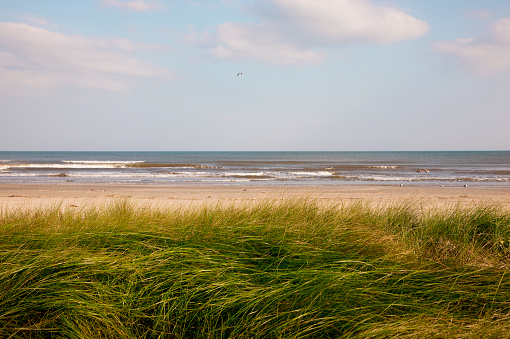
292 269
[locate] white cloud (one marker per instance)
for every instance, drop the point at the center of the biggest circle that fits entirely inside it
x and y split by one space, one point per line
239 41
134 5
39 58
290 31
487 54
38 21
340 21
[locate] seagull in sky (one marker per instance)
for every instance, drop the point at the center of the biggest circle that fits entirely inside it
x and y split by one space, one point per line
238 74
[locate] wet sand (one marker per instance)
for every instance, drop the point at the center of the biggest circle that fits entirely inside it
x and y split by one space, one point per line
14 196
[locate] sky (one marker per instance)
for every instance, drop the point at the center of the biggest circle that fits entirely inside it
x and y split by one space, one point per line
317 75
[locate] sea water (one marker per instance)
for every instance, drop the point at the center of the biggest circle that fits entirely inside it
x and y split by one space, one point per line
276 168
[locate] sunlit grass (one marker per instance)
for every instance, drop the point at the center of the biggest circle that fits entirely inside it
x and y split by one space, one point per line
277 269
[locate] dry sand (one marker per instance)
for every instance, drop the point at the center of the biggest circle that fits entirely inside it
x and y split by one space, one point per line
82 195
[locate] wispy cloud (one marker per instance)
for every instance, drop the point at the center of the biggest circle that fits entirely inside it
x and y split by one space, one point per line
33 57
291 31
134 5
487 54
240 41
38 21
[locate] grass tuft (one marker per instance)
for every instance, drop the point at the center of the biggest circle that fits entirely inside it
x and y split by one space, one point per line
278 269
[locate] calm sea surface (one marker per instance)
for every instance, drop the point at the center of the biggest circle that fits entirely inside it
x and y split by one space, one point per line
230 168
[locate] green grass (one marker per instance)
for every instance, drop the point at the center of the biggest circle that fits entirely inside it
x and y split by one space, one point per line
277 269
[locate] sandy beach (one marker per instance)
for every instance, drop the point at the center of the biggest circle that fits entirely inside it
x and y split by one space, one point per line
82 195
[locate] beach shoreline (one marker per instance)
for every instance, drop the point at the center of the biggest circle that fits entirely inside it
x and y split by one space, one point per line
35 195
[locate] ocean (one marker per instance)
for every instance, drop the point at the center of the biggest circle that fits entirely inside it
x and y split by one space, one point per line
491 169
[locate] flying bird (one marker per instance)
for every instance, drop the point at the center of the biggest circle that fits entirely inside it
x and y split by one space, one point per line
238 74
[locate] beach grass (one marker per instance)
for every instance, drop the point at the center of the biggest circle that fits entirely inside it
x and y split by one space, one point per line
297 268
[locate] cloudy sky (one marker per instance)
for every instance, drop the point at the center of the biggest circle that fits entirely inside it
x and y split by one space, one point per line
317 75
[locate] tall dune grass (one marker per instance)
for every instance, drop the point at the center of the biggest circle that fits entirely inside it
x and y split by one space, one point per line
291 269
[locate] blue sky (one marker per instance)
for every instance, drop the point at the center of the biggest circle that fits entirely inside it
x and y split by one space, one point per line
317 75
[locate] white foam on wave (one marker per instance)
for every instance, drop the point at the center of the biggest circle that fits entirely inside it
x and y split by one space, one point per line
379 178
70 165
382 167
312 174
111 175
247 174
173 174
426 178
14 174
276 175
142 174
101 162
